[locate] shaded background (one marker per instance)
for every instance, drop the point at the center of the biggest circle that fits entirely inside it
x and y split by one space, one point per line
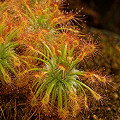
103 22
104 14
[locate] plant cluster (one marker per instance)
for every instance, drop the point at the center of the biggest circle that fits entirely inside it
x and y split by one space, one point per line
40 48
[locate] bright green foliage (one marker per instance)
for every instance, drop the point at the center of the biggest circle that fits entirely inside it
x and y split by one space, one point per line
6 60
42 16
59 81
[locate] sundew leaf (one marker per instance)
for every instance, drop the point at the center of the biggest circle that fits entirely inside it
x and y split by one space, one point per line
31 21
53 95
79 73
37 69
38 85
81 88
42 55
64 53
12 69
84 85
12 34
59 96
6 77
1 28
2 69
65 98
71 52
50 87
11 45
74 63
52 55
33 17
40 88
35 83
1 78
43 61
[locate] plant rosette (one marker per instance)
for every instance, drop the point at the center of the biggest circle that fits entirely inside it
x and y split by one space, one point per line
58 84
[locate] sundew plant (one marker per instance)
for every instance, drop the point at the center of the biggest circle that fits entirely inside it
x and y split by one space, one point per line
41 47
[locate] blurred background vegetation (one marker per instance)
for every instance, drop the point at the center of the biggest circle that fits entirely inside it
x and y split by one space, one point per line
103 14
102 20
